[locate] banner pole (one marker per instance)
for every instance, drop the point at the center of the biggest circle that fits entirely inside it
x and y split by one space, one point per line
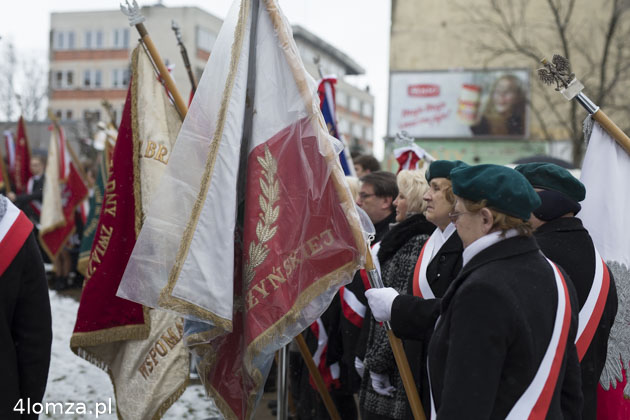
317 378
135 19
283 384
397 348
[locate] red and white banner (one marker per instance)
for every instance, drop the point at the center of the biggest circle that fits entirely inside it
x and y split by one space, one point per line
605 217
64 190
251 258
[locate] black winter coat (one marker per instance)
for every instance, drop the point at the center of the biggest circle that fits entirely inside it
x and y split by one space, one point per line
25 331
495 325
567 243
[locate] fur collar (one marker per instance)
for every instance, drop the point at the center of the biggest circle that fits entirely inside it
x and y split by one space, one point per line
401 233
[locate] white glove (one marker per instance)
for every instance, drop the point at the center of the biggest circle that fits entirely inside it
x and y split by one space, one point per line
381 384
380 301
359 366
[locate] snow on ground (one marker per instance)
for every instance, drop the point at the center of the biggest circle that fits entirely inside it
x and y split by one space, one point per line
72 379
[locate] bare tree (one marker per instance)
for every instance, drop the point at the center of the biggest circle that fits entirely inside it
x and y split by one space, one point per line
596 46
8 68
33 90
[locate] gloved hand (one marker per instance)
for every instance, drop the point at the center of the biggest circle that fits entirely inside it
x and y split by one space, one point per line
359 366
380 301
381 384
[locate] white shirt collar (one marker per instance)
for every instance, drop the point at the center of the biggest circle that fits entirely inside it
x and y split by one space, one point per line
441 237
484 242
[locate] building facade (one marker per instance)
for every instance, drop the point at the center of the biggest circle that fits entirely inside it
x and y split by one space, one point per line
90 54
478 35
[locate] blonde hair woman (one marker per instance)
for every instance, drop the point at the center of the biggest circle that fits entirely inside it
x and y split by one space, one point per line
382 394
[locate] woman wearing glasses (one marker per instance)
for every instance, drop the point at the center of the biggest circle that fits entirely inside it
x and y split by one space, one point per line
382 395
413 314
503 344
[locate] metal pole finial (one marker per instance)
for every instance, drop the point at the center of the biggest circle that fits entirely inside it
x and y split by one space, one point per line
178 33
558 72
132 11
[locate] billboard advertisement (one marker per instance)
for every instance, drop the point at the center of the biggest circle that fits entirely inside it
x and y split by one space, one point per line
459 104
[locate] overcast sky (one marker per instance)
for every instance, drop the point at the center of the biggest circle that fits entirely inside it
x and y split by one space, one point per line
359 28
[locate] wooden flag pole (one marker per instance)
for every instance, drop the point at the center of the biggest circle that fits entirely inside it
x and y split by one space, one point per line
135 19
317 378
184 53
397 348
558 71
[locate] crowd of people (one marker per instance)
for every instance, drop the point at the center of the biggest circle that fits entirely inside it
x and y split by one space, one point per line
487 271
488 276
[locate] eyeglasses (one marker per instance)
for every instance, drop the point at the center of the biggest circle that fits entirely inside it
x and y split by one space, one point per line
454 215
363 195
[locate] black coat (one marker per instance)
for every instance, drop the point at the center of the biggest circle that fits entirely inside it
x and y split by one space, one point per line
23 201
25 331
413 317
567 243
495 325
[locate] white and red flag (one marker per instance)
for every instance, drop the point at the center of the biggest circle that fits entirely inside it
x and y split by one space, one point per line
64 190
19 158
605 174
250 264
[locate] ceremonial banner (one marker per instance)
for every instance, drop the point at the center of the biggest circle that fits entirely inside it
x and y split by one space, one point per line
327 103
64 190
22 159
248 284
605 215
5 183
96 202
141 349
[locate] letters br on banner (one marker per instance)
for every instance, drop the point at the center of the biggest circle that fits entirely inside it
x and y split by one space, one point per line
459 104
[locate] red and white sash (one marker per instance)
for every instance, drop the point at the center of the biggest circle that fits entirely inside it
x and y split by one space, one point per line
14 229
330 374
421 285
591 312
35 204
534 403
351 307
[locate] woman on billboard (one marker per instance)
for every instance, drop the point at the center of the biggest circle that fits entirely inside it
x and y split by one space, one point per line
504 114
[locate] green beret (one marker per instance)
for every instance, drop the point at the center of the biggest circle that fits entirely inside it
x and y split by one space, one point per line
442 168
503 188
549 176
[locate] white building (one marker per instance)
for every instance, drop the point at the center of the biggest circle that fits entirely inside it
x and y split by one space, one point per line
90 54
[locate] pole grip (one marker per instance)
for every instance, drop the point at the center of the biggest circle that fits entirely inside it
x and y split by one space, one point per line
166 76
612 129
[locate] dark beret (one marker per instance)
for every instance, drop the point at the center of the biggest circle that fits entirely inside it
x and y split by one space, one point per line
549 176
442 168
503 188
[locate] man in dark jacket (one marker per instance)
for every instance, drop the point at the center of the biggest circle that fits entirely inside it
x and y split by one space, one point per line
31 201
562 238
25 320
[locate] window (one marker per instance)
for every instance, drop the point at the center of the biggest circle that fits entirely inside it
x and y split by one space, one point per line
71 40
342 99
205 39
58 80
342 126
58 114
120 78
58 40
99 39
367 109
94 116
355 104
368 134
357 130
69 78
88 40
121 38
92 79
68 114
